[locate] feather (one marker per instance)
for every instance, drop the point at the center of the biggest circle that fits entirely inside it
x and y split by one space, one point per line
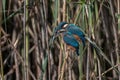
76 31
70 40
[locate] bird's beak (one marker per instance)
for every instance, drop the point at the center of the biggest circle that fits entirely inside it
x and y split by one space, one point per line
55 35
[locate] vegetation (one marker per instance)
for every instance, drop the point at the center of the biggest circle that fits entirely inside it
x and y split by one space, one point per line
26 27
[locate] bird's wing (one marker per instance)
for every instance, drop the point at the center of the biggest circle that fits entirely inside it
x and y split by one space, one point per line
75 29
70 40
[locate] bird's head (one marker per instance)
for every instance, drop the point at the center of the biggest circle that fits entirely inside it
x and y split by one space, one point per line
59 29
62 25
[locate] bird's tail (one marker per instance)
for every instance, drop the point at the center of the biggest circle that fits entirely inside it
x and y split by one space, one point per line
100 52
93 44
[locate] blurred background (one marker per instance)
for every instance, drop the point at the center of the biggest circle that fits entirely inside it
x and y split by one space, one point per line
26 27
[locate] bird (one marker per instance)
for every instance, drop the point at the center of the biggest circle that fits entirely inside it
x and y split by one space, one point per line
69 40
73 29
77 34
76 31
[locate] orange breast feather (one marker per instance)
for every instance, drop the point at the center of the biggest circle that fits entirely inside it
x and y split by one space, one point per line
77 37
71 48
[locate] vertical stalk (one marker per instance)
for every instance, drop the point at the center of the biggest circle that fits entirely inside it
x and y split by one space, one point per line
4 15
88 63
24 29
80 61
1 61
88 49
64 10
118 13
115 36
25 41
99 69
56 11
63 66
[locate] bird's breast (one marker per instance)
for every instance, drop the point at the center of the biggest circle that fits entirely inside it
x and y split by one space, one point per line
69 47
77 37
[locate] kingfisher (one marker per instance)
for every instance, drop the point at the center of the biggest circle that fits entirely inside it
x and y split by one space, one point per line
68 38
73 29
72 34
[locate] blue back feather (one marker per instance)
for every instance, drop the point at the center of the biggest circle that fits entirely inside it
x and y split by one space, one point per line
77 31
